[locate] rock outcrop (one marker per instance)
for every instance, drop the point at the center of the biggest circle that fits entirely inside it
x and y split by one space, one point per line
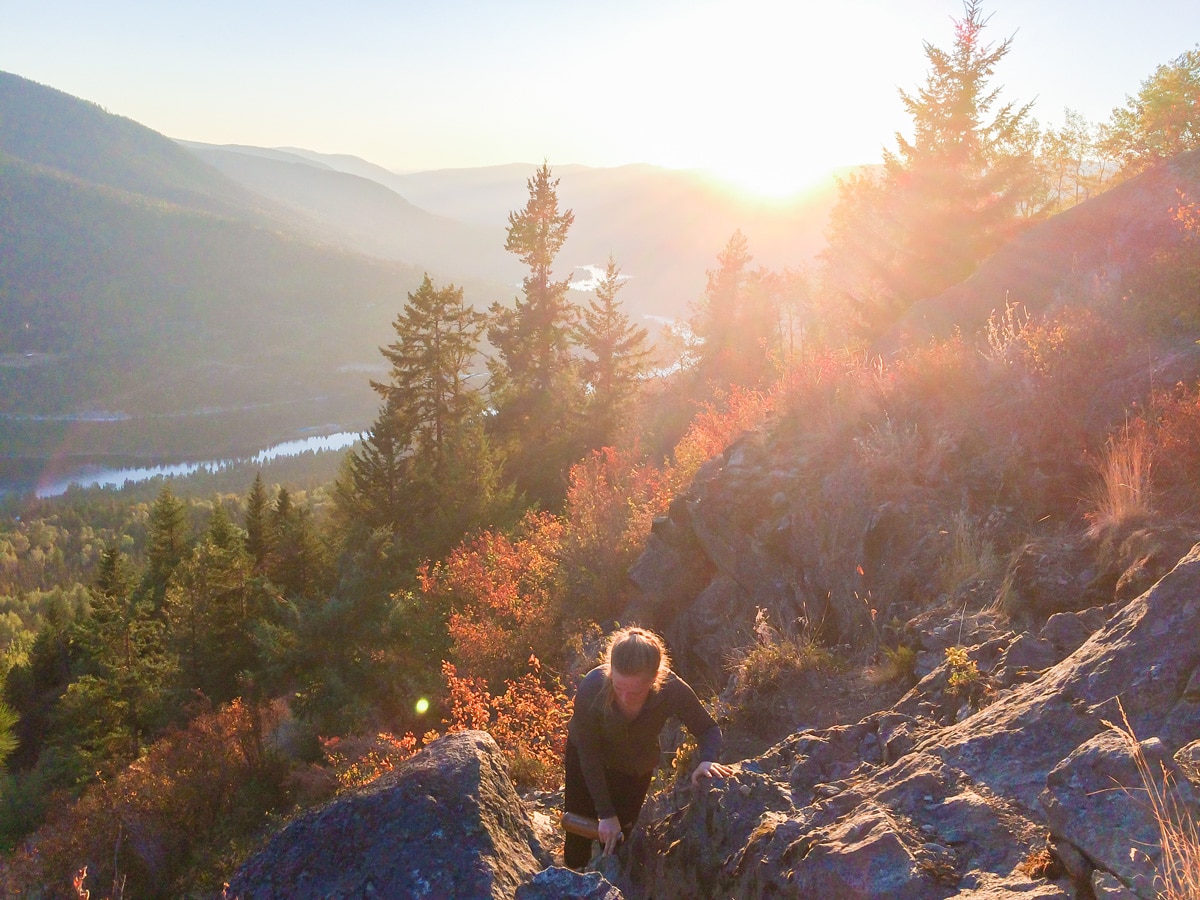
897 806
445 823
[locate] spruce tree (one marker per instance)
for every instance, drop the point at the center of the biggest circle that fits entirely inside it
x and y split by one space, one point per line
213 605
618 358
259 541
738 320
298 566
437 339
535 391
425 472
122 695
946 198
167 543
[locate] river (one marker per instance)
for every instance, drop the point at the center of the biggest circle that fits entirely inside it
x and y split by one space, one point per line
95 476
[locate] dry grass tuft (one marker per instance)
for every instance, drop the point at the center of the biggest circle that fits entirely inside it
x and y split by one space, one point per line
775 654
898 664
971 557
1124 491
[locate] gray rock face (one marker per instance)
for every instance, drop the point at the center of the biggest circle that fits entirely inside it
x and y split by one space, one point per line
1095 800
446 823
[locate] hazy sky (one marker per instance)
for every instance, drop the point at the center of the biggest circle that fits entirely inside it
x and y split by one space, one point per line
770 94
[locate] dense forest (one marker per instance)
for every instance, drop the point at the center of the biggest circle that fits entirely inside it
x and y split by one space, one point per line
185 666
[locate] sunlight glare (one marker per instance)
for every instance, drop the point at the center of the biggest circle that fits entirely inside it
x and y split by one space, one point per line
768 96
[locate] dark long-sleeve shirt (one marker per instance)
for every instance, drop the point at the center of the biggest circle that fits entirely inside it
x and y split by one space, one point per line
606 739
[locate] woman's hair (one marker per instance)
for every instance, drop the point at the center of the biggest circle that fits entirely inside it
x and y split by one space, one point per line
632 651
637 651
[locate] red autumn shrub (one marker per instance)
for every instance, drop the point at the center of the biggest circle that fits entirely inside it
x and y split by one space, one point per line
611 502
163 822
503 596
528 721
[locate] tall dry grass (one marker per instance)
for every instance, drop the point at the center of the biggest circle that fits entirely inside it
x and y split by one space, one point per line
971 557
1124 489
1179 839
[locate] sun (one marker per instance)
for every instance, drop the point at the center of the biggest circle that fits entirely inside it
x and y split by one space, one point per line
766 182
762 181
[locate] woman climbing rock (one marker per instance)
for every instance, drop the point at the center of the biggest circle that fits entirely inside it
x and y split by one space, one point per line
612 740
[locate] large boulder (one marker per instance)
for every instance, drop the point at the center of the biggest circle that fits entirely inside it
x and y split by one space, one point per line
1095 799
445 823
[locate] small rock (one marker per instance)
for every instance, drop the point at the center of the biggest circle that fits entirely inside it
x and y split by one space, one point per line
1073 861
1107 886
566 884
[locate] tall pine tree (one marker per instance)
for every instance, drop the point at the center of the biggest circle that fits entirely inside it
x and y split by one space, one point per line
618 355
167 543
947 197
536 391
425 472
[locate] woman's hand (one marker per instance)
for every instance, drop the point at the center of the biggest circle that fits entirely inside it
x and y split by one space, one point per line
610 834
710 770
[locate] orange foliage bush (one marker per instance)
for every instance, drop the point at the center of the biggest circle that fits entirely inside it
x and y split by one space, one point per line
163 819
503 597
612 500
528 721
1172 430
359 761
712 430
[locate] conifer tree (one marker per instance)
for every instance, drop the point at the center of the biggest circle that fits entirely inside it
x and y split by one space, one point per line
738 319
425 472
298 565
259 542
437 339
618 357
167 542
213 603
963 185
121 698
535 390
8 733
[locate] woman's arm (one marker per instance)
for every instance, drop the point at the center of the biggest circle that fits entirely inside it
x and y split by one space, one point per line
704 729
584 732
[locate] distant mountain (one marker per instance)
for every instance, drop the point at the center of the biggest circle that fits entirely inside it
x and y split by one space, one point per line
663 226
150 306
74 137
366 214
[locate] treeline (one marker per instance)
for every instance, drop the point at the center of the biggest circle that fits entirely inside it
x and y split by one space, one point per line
461 567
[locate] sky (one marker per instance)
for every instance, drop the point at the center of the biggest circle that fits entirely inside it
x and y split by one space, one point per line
769 95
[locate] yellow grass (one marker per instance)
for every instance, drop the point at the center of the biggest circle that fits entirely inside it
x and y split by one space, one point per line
1124 490
1179 869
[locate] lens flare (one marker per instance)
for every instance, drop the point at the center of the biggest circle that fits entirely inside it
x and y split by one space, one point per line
422 706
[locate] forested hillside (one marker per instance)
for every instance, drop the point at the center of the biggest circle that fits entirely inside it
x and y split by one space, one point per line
142 289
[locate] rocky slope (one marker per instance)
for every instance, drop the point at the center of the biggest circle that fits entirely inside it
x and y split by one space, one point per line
907 804
1019 784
